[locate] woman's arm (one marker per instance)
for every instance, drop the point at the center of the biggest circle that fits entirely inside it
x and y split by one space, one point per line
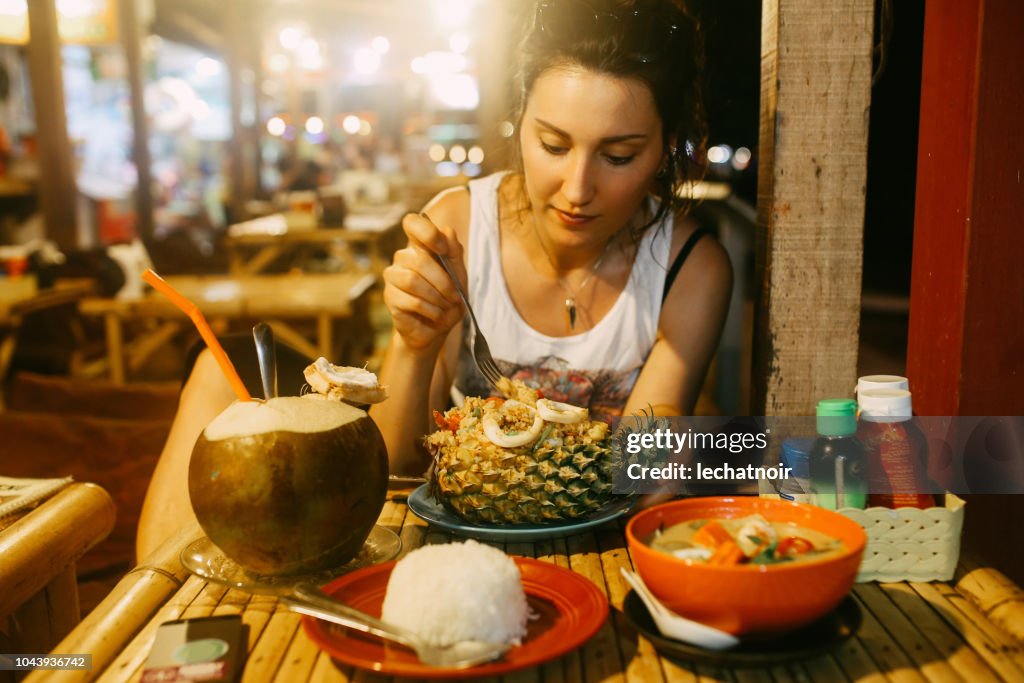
167 506
417 384
426 311
688 331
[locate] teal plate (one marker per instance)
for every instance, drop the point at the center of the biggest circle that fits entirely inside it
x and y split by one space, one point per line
423 505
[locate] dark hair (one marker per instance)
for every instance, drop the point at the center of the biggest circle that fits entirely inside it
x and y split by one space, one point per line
656 42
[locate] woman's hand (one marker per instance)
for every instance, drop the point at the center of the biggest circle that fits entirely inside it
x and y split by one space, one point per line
422 299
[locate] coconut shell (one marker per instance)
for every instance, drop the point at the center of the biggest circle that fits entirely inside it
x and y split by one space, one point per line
286 502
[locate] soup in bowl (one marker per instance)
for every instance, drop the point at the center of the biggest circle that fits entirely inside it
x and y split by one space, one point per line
746 564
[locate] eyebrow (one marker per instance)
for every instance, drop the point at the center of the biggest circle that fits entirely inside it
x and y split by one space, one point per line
614 138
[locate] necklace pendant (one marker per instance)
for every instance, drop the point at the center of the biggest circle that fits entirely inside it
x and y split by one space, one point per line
570 308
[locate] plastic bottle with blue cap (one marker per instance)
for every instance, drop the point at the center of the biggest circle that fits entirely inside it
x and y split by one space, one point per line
797 487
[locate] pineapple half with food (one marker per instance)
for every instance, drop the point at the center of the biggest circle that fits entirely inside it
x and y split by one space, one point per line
524 460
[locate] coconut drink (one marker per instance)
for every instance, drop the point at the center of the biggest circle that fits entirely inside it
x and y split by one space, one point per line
289 485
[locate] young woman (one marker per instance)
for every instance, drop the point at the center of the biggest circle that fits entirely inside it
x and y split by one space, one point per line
573 262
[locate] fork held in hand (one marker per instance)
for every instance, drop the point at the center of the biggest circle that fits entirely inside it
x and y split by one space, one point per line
477 344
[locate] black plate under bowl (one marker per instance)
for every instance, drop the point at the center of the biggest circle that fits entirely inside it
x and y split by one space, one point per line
812 640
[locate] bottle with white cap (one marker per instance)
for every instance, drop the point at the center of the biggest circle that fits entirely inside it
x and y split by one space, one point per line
881 382
893 449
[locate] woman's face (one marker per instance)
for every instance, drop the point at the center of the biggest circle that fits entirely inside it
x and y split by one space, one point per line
591 146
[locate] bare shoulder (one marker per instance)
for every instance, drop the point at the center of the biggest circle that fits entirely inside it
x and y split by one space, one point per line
451 207
707 269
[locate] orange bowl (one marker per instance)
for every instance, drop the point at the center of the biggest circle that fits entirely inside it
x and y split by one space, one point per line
747 598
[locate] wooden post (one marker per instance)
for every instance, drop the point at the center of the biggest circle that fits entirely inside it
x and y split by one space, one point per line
967 285
57 189
815 94
131 38
239 28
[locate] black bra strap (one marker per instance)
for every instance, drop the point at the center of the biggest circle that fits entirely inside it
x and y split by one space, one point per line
673 270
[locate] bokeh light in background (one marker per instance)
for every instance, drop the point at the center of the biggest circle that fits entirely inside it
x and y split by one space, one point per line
439 62
448 169
291 37
350 124
314 125
719 154
457 154
310 54
741 159
455 91
208 67
401 74
276 126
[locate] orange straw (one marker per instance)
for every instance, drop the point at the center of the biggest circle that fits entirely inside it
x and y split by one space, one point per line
193 312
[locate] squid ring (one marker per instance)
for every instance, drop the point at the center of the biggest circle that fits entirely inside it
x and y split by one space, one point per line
493 431
562 413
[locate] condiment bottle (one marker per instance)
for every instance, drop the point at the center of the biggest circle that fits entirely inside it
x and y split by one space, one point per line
797 486
837 459
893 448
881 382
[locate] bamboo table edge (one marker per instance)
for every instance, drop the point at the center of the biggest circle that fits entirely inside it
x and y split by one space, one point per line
127 608
50 538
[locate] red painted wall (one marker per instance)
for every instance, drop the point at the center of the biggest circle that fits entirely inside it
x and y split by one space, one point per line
966 341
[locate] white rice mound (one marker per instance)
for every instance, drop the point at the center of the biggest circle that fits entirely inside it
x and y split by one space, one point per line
457 591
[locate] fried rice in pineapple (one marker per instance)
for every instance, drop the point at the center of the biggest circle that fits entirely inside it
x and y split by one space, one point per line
521 460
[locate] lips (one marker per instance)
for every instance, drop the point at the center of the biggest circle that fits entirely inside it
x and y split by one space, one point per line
571 218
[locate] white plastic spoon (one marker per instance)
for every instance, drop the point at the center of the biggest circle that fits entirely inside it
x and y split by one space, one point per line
674 626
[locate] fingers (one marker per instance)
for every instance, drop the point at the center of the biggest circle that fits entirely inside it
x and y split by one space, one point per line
454 248
415 271
407 291
417 331
418 291
422 232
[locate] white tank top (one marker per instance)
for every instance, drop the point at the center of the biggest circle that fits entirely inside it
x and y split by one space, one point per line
596 368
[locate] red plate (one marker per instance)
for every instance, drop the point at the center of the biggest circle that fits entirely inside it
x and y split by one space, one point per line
571 610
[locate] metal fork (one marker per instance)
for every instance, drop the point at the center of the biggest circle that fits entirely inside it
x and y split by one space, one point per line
477 344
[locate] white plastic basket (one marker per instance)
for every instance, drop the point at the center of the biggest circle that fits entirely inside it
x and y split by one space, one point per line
909 544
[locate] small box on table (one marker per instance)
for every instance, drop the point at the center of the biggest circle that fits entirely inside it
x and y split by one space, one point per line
910 544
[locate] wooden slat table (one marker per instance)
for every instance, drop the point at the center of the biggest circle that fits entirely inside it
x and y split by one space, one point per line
253 245
911 631
275 299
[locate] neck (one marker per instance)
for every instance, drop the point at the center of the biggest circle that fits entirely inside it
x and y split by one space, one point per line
562 262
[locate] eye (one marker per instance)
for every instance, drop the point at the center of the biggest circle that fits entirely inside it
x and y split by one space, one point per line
553 149
619 161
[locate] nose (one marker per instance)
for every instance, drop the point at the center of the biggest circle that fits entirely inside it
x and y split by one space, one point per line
578 185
